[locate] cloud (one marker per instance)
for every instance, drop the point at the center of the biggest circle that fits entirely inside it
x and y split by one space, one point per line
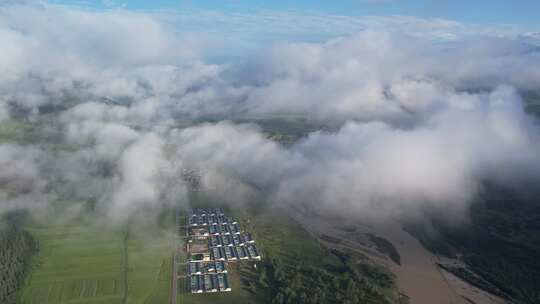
55 53
240 32
131 171
416 111
21 180
19 172
376 168
138 182
441 161
384 76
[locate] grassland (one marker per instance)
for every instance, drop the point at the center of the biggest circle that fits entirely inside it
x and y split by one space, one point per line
81 261
15 131
149 266
41 133
76 263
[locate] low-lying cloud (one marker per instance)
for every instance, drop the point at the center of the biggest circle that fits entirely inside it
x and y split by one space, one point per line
408 120
373 166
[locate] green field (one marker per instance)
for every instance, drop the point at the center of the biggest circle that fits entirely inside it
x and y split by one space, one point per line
16 131
42 133
149 271
81 261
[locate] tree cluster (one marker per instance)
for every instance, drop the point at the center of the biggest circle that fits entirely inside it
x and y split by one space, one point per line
16 248
308 284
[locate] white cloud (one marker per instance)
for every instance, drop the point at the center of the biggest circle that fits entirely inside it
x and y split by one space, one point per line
386 76
138 181
425 109
55 53
256 30
374 167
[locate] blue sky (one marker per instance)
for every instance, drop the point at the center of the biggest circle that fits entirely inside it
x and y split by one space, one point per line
523 12
238 27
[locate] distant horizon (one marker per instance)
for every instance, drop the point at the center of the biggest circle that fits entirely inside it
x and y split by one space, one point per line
232 29
486 12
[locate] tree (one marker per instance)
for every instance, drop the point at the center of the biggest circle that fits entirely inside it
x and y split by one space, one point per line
16 248
279 298
263 278
351 288
303 298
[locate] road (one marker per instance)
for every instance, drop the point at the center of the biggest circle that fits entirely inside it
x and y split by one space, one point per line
174 289
125 266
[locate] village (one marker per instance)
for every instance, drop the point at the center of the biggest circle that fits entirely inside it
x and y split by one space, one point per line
213 241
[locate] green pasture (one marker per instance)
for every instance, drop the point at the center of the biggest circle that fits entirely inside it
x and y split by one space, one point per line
84 261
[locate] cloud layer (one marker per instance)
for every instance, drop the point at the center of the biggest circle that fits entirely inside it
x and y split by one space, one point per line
374 167
128 103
